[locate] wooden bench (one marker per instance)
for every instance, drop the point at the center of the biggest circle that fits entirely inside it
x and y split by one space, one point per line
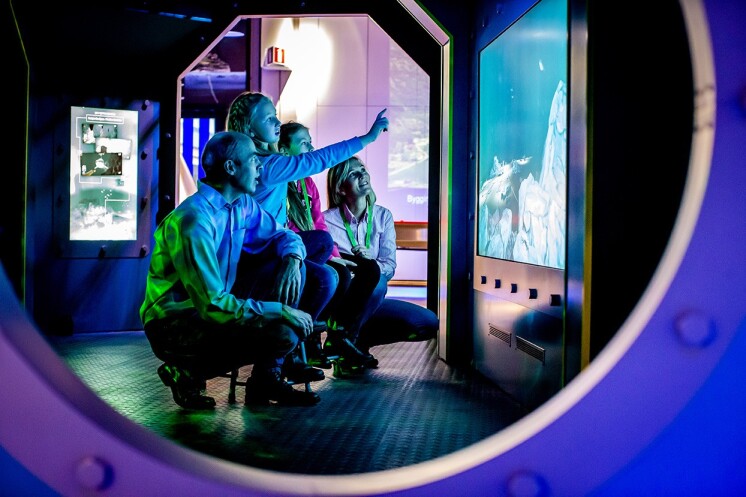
411 235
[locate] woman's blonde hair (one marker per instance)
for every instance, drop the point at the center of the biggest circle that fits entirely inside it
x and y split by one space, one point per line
338 175
242 111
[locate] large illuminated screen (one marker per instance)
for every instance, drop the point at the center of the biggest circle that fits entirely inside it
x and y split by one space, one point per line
522 162
103 174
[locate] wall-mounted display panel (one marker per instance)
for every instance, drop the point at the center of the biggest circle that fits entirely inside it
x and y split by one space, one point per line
103 188
103 174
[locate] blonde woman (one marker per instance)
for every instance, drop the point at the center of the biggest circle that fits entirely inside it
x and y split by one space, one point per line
363 232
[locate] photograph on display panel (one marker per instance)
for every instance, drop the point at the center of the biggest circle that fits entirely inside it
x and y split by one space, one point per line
103 174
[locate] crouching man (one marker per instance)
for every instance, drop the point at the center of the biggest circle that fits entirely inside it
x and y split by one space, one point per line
193 321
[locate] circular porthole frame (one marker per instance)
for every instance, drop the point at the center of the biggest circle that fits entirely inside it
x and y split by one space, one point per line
73 441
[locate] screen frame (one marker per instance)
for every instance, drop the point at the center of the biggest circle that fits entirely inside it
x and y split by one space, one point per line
508 117
538 287
141 158
531 288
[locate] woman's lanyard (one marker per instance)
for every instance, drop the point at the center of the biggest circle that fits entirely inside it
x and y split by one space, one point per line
306 202
351 235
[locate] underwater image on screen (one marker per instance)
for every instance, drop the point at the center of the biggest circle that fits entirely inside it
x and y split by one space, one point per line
522 167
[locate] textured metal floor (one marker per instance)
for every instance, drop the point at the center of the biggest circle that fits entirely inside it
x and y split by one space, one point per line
411 409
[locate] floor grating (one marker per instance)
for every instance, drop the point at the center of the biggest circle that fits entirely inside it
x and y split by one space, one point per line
412 409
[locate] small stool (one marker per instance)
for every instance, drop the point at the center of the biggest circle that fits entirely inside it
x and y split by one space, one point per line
235 381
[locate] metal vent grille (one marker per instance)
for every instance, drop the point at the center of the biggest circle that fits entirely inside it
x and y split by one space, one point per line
529 348
500 334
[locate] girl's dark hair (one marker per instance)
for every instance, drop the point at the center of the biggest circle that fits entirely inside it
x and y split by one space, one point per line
287 131
296 211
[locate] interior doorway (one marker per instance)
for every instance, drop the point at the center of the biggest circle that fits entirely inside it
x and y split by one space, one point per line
334 74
